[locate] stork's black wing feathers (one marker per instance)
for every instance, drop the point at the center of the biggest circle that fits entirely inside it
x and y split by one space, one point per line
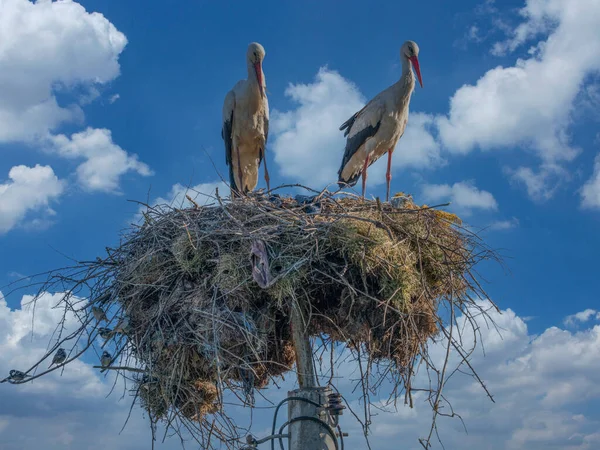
226 135
347 125
352 146
266 130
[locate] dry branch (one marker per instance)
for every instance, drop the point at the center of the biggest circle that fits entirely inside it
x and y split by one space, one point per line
207 292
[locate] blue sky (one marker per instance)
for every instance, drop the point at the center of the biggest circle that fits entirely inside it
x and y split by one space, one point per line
101 109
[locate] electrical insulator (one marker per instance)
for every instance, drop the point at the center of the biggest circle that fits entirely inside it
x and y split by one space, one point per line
335 404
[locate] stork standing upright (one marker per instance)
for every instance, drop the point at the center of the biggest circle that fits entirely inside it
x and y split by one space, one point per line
246 125
375 129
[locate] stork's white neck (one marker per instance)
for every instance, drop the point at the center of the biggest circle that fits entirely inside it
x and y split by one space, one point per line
407 74
251 72
252 75
406 84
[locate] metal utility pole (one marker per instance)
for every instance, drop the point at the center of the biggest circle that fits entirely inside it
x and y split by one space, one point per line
311 426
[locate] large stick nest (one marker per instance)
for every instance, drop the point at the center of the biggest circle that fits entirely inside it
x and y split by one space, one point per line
207 292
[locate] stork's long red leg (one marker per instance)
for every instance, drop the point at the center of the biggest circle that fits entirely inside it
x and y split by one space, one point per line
364 176
388 174
267 179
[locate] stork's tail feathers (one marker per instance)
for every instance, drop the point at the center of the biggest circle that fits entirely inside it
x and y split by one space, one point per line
348 183
235 192
342 182
232 185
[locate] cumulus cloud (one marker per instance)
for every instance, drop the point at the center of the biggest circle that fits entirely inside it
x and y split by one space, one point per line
530 104
51 50
417 148
306 141
28 190
588 102
45 46
464 196
581 317
308 145
67 408
527 105
590 192
27 333
541 184
201 193
541 401
105 162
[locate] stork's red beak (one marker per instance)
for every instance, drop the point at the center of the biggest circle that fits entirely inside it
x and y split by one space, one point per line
415 63
258 70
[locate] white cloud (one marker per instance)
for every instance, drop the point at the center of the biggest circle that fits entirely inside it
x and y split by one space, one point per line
306 141
105 162
483 21
114 98
504 224
588 102
29 189
474 34
201 193
546 389
26 333
464 196
417 148
49 48
308 145
530 104
46 46
590 192
541 184
68 407
582 317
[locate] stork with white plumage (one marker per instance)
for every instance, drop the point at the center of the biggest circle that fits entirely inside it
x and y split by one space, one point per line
376 129
246 125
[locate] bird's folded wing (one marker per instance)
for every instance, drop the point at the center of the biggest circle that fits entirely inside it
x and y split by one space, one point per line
266 132
348 123
266 118
228 107
364 125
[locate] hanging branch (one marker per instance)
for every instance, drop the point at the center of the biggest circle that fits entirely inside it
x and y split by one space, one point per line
198 303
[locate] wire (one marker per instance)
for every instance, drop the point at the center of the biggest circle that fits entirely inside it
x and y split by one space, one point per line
341 437
287 399
272 437
311 419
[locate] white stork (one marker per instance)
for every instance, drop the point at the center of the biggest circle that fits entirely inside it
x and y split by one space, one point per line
246 125
375 129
